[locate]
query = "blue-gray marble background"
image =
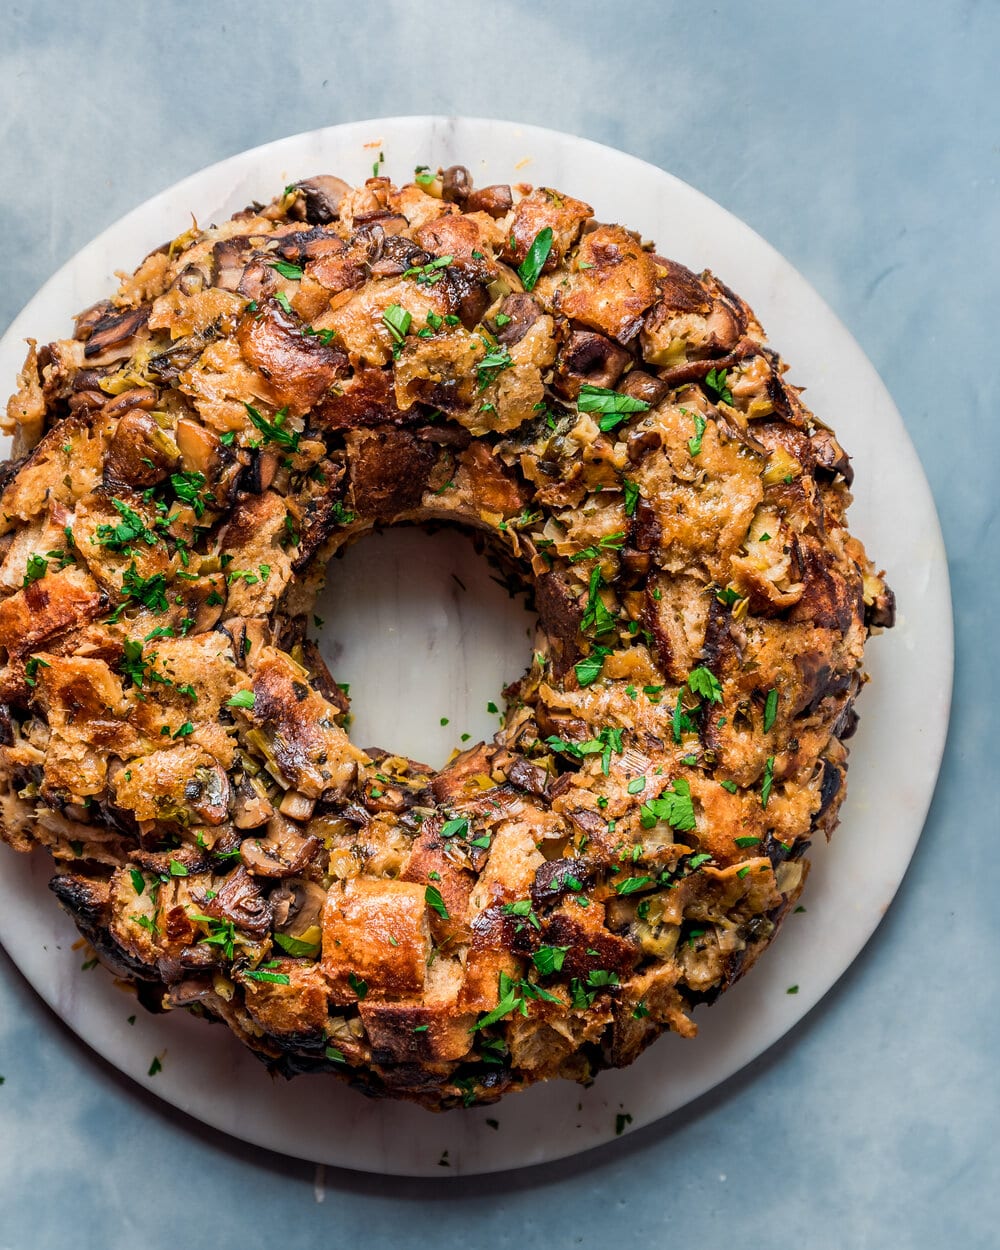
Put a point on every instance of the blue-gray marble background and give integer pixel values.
(863, 141)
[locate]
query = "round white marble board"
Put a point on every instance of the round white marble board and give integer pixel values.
(396, 620)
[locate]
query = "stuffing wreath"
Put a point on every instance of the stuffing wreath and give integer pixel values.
(263, 392)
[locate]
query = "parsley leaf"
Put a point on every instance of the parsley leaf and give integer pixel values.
(631, 490)
(770, 710)
(243, 699)
(286, 270)
(715, 381)
(768, 782)
(597, 620)
(703, 682)
(588, 670)
(274, 431)
(674, 806)
(531, 267)
(433, 899)
(614, 408)
(549, 959)
(694, 444)
(37, 567)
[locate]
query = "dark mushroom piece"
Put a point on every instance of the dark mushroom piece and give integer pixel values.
(521, 312)
(241, 902)
(456, 184)
(588, 358)
(319, 199)
(297, 905)
(283, 853)
(207, 794)
(496, 200)
(251, 808)
(115, 330)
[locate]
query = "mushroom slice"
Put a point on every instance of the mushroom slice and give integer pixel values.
(283, 853)
(241, 901)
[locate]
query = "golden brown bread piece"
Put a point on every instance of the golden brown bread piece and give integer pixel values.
(261, 393)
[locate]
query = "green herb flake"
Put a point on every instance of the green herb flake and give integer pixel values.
(531, 267)
(694, 444)
(612, 407)
(704, 683)
(242, 699)
(631, 492)
(274, 431)
(674, 806)
(768, 782)
(770, 710)
(549, 959)
(457, 827)
(261, 974)
(296, 947)
(286, 269)
(715, 381)
(589, 669)
(433, 899)
(357, 984)
(155, 1066)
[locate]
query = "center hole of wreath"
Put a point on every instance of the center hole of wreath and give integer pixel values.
(423, 634)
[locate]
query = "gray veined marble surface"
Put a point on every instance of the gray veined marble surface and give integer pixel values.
(863, 142)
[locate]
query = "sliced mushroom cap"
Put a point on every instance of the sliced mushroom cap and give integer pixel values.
(588, 358)
(456, 184)
(252, 809)
(496, 200)
(114, 330)
(297, 905)
(319, 198)
(141, 454)
(207, 793)
(241, 901)
(283, 853)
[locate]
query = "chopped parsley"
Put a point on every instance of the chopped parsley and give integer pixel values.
(264, 974)
(770, 710)
(703, 682)
(427, 275)
(531, 267)
(357, 984)
(768, 782)
(190, 488)
(597, 620)
(694, 444)
(397, 321)
(275, 431)
(588, 670)
(492, 364)
(674, 806)
(37, 567)
(715, 381)
(296, 946)
(433, 899)
(242, 699)
(632, 885)
(612, 407)
(130, 529)
(631, 491)
(457, 827)
(549, 959)
(286, 269)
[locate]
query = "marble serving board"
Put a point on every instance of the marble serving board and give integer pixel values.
(427, 640)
